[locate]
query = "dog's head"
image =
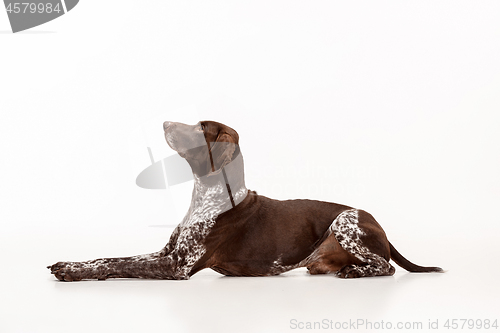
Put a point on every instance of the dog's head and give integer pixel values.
(207, 146)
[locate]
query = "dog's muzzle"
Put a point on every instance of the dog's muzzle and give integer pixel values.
(166, 125)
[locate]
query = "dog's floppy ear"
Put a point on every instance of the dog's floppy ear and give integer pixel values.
(222, 151)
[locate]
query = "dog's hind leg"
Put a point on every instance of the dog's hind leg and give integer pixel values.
(329, 257)
(376, 266)
(361, 236)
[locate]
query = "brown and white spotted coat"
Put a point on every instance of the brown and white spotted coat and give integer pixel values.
(237, 232)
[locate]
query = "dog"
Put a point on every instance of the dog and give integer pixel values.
(236, 232)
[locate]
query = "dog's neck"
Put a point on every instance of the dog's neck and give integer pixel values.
(221, 191)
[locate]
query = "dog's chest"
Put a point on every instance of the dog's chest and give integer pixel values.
(207, 204)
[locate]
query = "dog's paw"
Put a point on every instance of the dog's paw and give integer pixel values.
(348, 272)
(65, 271)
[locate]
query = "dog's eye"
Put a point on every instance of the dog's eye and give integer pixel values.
(202, 127)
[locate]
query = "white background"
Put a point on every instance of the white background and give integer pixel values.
(388, 106)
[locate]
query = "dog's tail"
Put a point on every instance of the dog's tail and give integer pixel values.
(409, 266)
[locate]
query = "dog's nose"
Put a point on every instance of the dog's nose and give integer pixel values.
(166, 124)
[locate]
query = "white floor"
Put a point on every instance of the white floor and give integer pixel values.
(34, 301)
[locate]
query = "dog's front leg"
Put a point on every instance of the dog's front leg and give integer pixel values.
(172, 241)
(150, 266)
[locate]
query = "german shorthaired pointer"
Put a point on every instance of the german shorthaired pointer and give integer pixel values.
(237, 232)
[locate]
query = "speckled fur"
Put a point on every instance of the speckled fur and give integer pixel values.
(277, 267)
(347, 232)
